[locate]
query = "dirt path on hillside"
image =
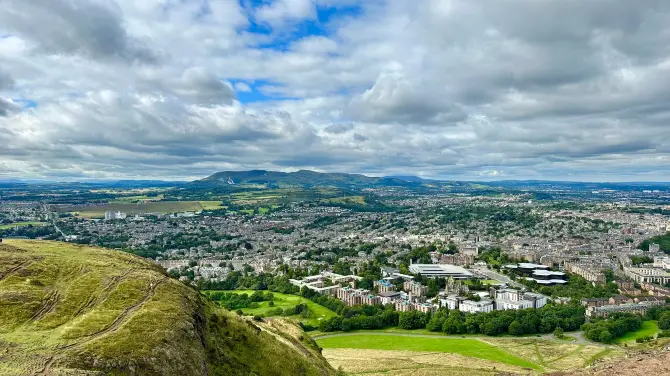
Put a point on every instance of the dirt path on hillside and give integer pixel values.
(124, 317)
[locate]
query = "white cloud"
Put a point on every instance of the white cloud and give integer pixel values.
(453, 88)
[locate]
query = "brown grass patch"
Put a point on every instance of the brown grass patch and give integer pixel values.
(401, 363)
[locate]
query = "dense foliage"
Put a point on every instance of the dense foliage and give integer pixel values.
(606, 331)
(576, 288)
(234, 301)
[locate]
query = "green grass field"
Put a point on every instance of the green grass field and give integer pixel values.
(163, 207)
(284, 301)
(467, 347)
(21, 224)
(649, 328)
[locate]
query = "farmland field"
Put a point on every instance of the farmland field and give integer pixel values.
(649, 328)
(21, 224)
(163, 207)
(284, 301)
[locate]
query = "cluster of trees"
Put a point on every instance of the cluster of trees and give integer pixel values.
(606, 331)
(527, 321)
(517, 322)
(300, 309)
(637, 260)
(576, 288)
(232, 300)
(362, 317)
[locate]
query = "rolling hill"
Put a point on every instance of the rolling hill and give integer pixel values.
(303, 179)
(75, 310)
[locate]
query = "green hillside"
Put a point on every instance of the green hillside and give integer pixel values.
(74, 310)
(302, 178)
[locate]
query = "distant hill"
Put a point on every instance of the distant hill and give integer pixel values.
(303, 179)
(75, 310)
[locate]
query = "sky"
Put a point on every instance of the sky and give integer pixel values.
(450, 89)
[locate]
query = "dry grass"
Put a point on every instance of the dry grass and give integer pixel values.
(400, 363)
(555, 356)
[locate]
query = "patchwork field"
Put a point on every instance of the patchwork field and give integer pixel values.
(402, 354)
(21, 224)
(284, 301)
(163, 207)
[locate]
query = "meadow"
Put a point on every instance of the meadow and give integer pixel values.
(284, 301)
(163, 207)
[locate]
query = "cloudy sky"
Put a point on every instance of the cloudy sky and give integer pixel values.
(473, 90)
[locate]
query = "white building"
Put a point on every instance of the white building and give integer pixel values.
(440, 270)
(662, 262)
(654, 248)
(476, 307)
(514, 299)
(649, 275)
(114, 215)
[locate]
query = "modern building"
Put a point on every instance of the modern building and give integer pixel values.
(404, 306)
(451, 301)
(440, 270)
(415, 288)
(383, 286)
(514, 299)
(475, 307)
(389, 297)
(350, 296)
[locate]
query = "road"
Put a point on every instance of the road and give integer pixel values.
(52, 217)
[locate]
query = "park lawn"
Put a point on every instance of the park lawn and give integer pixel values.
(21, 224)
(649, 328)
(283, 301)
(466, 347)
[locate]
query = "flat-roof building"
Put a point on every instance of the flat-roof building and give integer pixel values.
(440, 270)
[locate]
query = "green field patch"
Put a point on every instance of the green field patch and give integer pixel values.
(283, 301)
(649, 328)
(467, 347)
(21, 224)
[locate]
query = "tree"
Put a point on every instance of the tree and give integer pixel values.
(664, 320)
(558, 333)
(515, 328)
(412, 320)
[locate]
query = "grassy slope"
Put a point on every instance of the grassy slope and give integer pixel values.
(284, 301)
(649, 328)
(466, 347)
(67, 307)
